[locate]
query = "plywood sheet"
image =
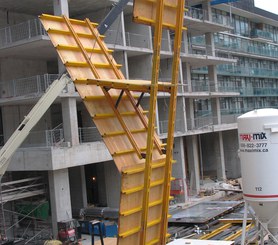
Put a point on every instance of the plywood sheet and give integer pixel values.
(144, 11)
(109, 126)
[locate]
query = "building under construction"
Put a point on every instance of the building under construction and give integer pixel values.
(228, 63)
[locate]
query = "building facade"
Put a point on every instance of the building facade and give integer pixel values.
(228, 67)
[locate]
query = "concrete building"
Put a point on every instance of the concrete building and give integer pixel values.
(229, 61)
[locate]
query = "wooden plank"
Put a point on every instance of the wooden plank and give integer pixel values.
(144, 12)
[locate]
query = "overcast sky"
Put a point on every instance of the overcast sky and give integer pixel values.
(268, 5)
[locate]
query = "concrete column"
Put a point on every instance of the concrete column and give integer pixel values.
(59, 191)
(61, 7)
(221, 170)
(178, 170)
(70, 122)
(78, 188)
(193, 160)
(189, 106)
(185, 44)
(206, 6)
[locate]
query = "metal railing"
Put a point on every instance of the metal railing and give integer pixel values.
(241, 71)
(163, 126)
(56, 137)
(22, 31)
(89, 134)
(202, 14)
(256, 33)
(137, 40)
(240, 45)
(35, 85)
(114, 37)
(207, 50)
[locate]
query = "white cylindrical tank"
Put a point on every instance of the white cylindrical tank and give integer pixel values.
(258, 151)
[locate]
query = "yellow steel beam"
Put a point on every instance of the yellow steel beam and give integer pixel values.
(60, 19)
(131, 211)
(109, 115)
(151, 124)
(77, 49)
(215, 232)
(171, 118)
(130, 232)
(238, 233)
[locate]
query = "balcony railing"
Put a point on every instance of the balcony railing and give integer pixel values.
(163, 126)
(256, 33)
(202, 14)
(114, 37)
(89, 134)
(240, 45)
(22, 31)
(55, 137)
(35, 85)
(230, 70)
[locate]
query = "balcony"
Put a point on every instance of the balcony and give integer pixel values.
(198, 23)
(261, 35)
(25, 88)
(204, 56)
(47, 150)
(55, 137)
(27, 39)
(240, 45)
(230, 70)
(206, 89)
(137, 44)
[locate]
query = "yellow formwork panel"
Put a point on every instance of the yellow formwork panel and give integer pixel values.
(144, 11)
(83, 52)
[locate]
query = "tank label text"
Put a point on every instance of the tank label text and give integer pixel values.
(255, 136)
(253, 142)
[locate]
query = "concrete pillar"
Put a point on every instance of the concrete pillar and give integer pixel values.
(193, 163)
(61, 7)
(69, 110)
(78, 190)
(221, 170)
(70, 123)
(178, 170)
(59, 191)
(206, 6)
(189, 106)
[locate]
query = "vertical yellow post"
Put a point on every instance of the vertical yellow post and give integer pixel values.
(151, 124)
(171, 118)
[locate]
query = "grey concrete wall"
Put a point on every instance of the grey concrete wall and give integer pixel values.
(113, 184)
(137, 35)
(13, 68)
(102, 192)
(230, 139)
(12, 116)
(210, 153)
(78, 192)
(139, 67)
